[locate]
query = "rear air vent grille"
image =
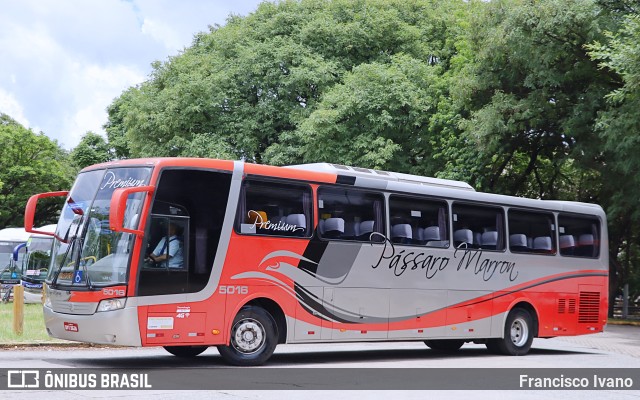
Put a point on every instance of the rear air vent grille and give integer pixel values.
(572, 306)
(562, 303)
(589, 307)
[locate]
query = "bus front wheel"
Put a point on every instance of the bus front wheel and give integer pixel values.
(518, 334)
(254, 336)
(185, 351)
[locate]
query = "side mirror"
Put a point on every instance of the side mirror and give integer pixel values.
(30, 211)
(118, 208)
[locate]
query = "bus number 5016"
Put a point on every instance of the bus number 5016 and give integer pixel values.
(233, 289)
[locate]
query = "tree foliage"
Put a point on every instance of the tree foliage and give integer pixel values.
(250, 89)
(29, 163)
(379, 117)
(92, 149)
(533, 95)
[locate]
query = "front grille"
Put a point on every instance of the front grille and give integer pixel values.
(69, 307)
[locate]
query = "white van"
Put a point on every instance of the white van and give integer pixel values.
(10, 272)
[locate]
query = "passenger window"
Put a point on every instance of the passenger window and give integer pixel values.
(419, 221)
(348, 214)
(478, 227)
(274, 208)
(531, 232)
(579, 236)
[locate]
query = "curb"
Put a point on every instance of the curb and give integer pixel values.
(9, 346)
(623, 322)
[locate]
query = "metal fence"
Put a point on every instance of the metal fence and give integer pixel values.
(633, 310)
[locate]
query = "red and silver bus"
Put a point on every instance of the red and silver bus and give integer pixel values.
(189, 253)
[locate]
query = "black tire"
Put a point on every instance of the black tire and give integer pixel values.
(185, 351)
(493, 345)
(518, 334)
(445, 345)
(254, 336)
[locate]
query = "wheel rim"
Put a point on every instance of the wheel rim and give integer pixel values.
(519, 332)
(248, 336)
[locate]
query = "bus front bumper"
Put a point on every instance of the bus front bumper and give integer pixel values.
(118, 327)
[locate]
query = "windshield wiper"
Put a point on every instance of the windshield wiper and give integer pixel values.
(72, 242)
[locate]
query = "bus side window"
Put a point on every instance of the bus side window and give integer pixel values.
(419, 221)
(348, 214)
(274, 209)
(531, 232)
(478, 227)
(579, 236)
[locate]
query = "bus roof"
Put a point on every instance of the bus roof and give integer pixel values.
(366, 178)
(320, 171)
(14, 235)
(383, 175)
(454, 190)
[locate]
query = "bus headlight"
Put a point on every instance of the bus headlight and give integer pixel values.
(111, 305)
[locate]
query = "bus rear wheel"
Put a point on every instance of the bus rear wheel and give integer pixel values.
(518, 334)
(185, 351)
(446, 345)
(254, 336)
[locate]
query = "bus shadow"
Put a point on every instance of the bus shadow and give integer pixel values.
(210, 359)
(396, 356)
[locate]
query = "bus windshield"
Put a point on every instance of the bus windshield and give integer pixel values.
(42, 244)
(38, 257)
(89, 253)
(6, 249)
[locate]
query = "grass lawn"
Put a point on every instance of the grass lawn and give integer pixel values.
(33, 330)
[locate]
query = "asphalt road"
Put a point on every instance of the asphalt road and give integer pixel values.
(617, 347)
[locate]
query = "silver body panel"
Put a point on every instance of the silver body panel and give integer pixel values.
(119, 327)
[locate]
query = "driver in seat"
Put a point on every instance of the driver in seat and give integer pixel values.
(160, 255)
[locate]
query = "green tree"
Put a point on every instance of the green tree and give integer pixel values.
(250, 89)
(92, 149)
(29, 163)
(381, 116)
(533, 94)
(115, 126)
